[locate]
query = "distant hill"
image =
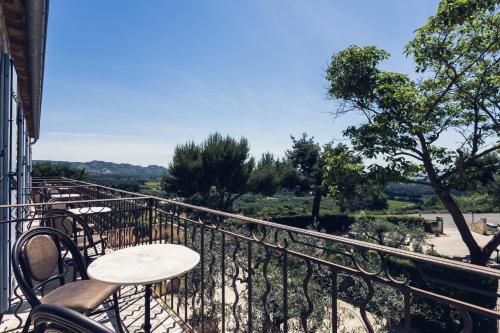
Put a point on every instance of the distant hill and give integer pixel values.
(101, 168)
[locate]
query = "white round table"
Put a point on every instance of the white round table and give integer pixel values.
(144, 265)
(89, 210)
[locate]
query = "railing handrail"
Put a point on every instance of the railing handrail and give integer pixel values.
(48, 186)
(70, 202)
(109, 188)
(420, 257)
(347, 241)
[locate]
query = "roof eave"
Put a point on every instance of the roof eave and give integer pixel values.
(26, 23)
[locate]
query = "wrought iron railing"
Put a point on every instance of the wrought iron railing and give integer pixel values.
(258, 276)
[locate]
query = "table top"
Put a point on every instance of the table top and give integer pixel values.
(89, 210)
(65, 195)
(143, 264)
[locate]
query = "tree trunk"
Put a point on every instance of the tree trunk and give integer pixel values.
(316, 205)
(476, 254)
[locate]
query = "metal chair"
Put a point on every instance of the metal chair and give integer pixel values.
(38, 260)
(51, 318)
(37, 196)
(53, 190)
(75, 227)
(56, 204)
(168, 231)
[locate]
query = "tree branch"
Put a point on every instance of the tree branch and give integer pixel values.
(408, 154)
(492, 244)
(469, 161)
(457, 75)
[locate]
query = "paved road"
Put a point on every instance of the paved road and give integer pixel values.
(451, 243)
(449, 225)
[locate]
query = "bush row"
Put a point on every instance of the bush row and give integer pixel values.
(427, 315)
(432, 316)
(336, 223)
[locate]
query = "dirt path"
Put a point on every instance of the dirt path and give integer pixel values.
(451, 244)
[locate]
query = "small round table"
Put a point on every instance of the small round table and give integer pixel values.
(65, 195)
(144, 265)
(89, 210)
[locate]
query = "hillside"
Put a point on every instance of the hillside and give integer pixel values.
(101, 168)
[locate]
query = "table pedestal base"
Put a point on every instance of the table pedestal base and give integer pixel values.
(147, 309)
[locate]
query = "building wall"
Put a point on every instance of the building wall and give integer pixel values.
(23, 24)
(13, 158)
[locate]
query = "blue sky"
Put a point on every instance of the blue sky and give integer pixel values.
(126, 81)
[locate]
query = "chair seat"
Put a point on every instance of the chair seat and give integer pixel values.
(83, 295)
(81, 241)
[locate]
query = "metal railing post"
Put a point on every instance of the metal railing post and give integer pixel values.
(150, 224)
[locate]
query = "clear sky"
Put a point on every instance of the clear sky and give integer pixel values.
(126, 81)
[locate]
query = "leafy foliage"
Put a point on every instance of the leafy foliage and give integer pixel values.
(306, 157)
(215, 172)
(49, 169)
(494, 191)
(281, 204)
(457, 53)
(266, 178)
(348, 182)
(394, 234)
(102, 169)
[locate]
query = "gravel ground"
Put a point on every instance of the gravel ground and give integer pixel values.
(451, 243)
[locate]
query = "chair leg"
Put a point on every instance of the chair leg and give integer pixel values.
(117, 314)
(26, 327)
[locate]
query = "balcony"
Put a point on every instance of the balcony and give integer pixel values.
(258, 276)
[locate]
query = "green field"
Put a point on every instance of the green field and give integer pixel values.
(281, 205)
(398, 205)
(290, 205)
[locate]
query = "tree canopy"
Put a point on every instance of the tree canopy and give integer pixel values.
(215, 171)
(346, 180)
(50, 169)
(456, 54)
(267, 177)
(306, 157)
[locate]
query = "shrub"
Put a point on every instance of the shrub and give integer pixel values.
(432, 316)
(329, 223)
(394, 234)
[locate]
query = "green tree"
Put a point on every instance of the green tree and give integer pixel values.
(50, 169)
(398, 235)
(266, 178)
(494, 192)
(290, 176)
(346, 180)
(185, 175)
(456, 52)
(216, 171)
(306, 157)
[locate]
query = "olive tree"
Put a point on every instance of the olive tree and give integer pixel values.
(457, 57)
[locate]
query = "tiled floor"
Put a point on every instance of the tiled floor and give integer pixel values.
(132, 314)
